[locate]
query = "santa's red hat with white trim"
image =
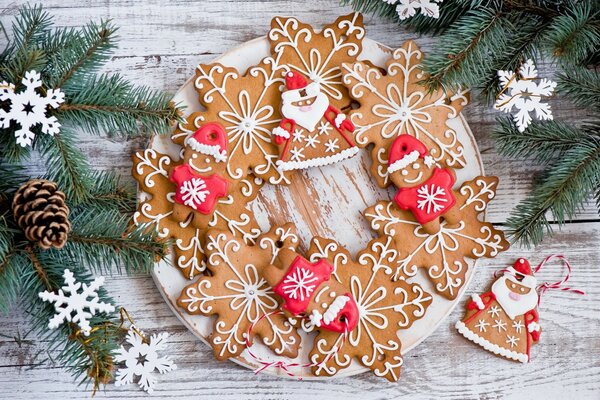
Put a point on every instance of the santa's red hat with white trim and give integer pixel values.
(521, 274)
(210, 139)
(405, 150)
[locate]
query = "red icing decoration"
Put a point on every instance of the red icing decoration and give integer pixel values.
(294, 80)
(212, 134)
(411, 198)
(522, 266)
(300, 283)
(403, 145)
(198, 192)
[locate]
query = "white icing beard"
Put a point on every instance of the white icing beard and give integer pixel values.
(513, 308)
(307, 119)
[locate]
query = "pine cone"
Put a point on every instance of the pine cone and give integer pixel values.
(40, 211)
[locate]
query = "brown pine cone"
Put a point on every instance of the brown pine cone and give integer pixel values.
(40, 211)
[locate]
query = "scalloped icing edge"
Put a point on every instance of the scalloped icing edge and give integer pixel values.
(489, 346)
(317, 162)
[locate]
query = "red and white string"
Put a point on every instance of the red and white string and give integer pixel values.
(284, 365)
(558, 285)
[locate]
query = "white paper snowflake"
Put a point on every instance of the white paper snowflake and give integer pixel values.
(430, 198)
(408, 8)
(194, 192)
(300, 284)
(524, 92)
(141, 359)
(28, 108)
(76, 306)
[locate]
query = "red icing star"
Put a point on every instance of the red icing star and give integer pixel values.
(196, 191)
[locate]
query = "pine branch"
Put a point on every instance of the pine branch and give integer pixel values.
(111, 103)
(29, 28)
(107, 192)
(581, 85)
(76, 55)
(102, 241)
(561, 192)
(542, 141)
(10, 151)
(66, 165)
(13, 267)
(573, 36)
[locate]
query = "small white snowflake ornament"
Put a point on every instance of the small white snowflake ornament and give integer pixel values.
(408, 8)
(525, 93)
(29, 109)
(141, 359)
(73, 305)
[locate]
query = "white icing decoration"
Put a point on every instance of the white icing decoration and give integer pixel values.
(194, 192)
(212, 150)
(317, 162)
(482, 325)
(477, 299)
(500, 325)
(331, 145)
(489, 346)
(430, 198)
(404, 161)
(320, 292)
(315, 318)
(300, 284)
(279, 131)
(307, 116)
(334, 309)
(339, 119)
(512, 340)
(533, 327)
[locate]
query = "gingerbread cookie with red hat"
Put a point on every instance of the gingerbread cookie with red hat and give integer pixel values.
(424, 188)
(505, 319)
(312, 132)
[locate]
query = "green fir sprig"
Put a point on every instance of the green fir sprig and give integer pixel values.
(101, 239)
(477, 38)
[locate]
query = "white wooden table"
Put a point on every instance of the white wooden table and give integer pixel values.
(160, 45)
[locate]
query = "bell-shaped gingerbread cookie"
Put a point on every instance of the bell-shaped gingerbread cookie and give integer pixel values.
(312, 132)
(423, 188)
(307, 290)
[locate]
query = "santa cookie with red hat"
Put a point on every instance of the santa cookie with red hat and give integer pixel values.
(505, 320)
(199, 179)
(312, 132)
(423, 188)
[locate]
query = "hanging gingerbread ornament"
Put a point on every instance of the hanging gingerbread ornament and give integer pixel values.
(312, 132)
(424, 188)
(308, 291)
(505, 320)
(40, 210)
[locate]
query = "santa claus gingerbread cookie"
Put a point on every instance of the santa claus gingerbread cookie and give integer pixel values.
(505, 319)
(312, 132)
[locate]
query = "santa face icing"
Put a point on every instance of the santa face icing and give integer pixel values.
(515, 293)
(305, 106)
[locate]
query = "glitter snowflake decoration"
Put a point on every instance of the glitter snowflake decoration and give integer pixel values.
(29, 109)
(430, 198)
(76, 306)
(524, 91)
(141, 359)
(408, 8)
(194, 192)
(300, 284)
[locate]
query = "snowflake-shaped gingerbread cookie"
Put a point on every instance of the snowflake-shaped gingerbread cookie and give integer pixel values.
(384, 307)
(442, 254)
(395, 103)
(29, 108)
(159, 211)
(239, 296)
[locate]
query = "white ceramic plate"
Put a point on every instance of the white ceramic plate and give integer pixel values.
(341, 192)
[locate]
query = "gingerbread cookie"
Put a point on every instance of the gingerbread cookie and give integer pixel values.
(395, 103)
(303, 144)
(153, 171)
(443, 253)
(505, 320)
(238, 294)
(424, 188)
(318, 55)
(384, 307)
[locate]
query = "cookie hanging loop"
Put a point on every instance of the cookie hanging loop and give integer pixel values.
(558, 285)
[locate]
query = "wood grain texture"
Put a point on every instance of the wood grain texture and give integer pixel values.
(160, 45)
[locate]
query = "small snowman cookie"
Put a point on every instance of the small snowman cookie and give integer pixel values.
(424, 188)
